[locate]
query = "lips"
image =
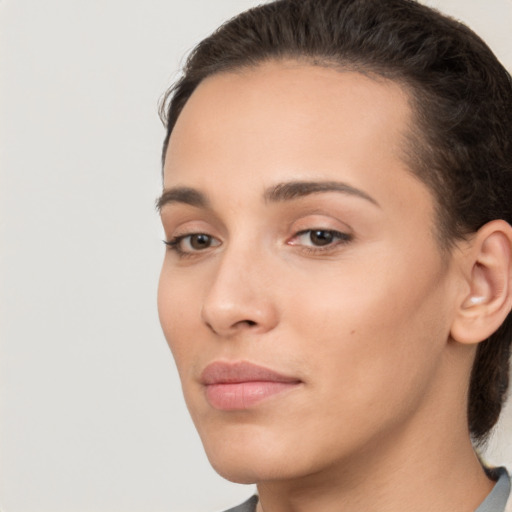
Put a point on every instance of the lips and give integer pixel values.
(242, 385)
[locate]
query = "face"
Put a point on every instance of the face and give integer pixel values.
(303, 294)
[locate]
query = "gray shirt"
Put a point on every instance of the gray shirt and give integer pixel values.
(496, 501)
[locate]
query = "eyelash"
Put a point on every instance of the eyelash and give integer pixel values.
(338, 238)
(175, 244)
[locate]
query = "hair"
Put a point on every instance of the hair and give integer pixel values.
(460, 144)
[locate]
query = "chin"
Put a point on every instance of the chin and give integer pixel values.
(248, 458)
(250, 470)
(236, 474)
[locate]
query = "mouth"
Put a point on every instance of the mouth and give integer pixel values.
(242, 385)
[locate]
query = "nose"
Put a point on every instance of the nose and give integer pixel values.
(240, 296)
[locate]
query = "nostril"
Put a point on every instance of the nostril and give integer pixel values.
(245, 323)
(210, 326)
(241, 323)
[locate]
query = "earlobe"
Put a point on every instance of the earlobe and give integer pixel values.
(489, 276)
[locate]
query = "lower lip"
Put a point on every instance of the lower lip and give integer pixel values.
(243, 395)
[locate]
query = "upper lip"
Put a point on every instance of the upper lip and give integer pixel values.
(221, 372)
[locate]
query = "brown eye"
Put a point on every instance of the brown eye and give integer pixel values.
(193, 243)
(200, 241)
(321, 237)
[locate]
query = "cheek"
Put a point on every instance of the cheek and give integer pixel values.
(178, 313)
(370, 332)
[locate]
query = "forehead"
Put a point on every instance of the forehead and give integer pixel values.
(287, 120)
(291, 107)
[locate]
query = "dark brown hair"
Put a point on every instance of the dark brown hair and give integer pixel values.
(460, 145)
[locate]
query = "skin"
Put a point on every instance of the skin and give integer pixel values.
(378, 420)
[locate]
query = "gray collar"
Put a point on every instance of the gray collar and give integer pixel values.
(496, 501)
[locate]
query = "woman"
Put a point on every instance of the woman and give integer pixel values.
(337, 286)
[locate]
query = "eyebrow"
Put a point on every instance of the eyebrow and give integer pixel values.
(295, 189)
(185, 195)
(287, 191)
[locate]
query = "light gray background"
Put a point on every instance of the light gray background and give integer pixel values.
(91, 414)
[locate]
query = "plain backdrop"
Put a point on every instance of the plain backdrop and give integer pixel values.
(91, 413)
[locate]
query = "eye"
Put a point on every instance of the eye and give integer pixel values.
(320, 238)
(192, 243)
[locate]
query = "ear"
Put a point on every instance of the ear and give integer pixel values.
(488, 272)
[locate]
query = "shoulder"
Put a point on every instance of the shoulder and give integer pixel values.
(247, 506)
